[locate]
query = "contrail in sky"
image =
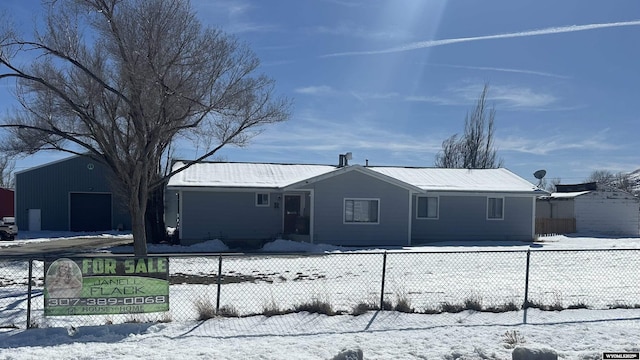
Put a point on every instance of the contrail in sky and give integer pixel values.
(434, 43)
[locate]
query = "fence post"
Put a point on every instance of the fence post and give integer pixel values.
(384, 271)
(525, 306)
(219, 283)
(29, 293)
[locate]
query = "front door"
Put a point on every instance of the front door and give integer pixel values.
(291, 213)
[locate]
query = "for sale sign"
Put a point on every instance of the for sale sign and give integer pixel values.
(94, 286)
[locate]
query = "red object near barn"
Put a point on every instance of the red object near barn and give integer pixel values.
(6, 202)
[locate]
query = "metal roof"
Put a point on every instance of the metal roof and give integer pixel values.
(264, 175)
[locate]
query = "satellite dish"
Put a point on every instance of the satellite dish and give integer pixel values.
(540, 174)
(348, 156)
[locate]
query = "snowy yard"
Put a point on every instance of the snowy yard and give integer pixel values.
(427, 276)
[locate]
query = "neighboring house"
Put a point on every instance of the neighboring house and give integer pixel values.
(6, 202)
(73, 194)
(348, 205)
(589, 208)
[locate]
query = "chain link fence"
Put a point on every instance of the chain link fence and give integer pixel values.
(351, 283)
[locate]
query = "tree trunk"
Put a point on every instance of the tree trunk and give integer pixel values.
(138, 209)
(138, 229)
(156, 231)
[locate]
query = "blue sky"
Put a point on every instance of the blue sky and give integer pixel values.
(389, 80)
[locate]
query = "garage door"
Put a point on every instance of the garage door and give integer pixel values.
(90, 212)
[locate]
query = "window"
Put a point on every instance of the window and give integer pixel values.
(361, 211)
(262, 199)
(495, 208)
(427, 207)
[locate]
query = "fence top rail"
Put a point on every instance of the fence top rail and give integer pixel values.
(46, 257)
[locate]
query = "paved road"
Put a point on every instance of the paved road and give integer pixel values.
(61, 246)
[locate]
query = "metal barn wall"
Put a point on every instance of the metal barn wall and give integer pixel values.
(328, 212)
(608, 213)
(464, 217)
(209, 215)
(47, 188)
(171, 203)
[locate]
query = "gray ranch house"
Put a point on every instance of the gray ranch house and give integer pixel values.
(348, 205)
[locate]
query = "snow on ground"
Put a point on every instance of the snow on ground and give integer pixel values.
(574, 334)
(380, 335)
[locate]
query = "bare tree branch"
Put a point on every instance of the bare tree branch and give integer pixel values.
(122, 81)
(475, 149)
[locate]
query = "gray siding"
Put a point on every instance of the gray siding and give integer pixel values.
(47, 188)
(607, 213)
(555, 208)
(329, 226)
(208, 215)
(465, 218)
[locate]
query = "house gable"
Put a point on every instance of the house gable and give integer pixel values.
(359, 168)
(334, 194)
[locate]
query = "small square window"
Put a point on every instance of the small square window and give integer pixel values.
(427, 207)
(262, 199)
(495, 208)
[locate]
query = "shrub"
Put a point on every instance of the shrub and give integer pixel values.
(205, 309)
(317, 307)
(403, 304)
(510, 306)
(623, 306)
(512, 339)
(363, 308)
(228, 311)
(272, 309)
(473, 303)
(579, 305)
(451, 308)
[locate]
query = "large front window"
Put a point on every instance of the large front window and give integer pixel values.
(362, 211)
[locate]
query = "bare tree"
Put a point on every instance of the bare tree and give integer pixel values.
(602, 177)
(551, 185)
(121, 81)
(475, 149)
(7, 165)
(618, 180)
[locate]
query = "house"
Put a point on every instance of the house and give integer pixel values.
(348, 205)
(589, 208)
(72, 194)
(6, 202)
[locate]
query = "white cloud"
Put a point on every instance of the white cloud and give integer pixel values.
(545, 143)
(505, 97)
(519, 71)
(360, 32)
(316, 90)
(325, 90)
(313, 132)
(434, 43)
(232, 15)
